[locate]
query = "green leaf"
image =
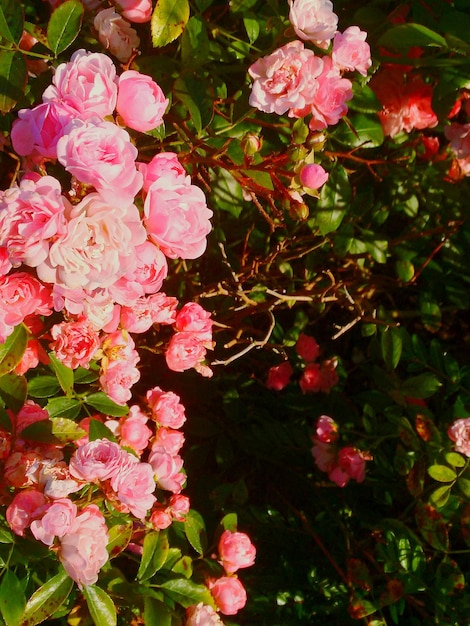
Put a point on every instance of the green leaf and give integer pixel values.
(391, 345)
(421, 386)
(364, 99)
(334, 199)
(440, 496)
(168, 21)
(230, 522)
(195, 530)
(464, 486)
(11, 352)
(363, 131)
(102, 403)
(156, 612)
(455, 459)
(11, 20)
(40, 431)
(83, 376)
(405, 36)
(432, 526)
(13, 391)
(12, 598)
(43, 387)
(47, 599)
(194, 43)
(64, 374)
(194, 94)
(442, 473)
(184, 566)
(251, 23)
(186, 592)
(98, 430)
(100, 605)
(405, 270)
(64, 25)
(13, 78)
(154, 555)
(119, 537)
(66, 430)
(64, 407)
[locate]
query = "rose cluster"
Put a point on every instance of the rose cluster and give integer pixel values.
(299, 81)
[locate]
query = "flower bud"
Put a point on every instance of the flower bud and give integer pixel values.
(251, 144)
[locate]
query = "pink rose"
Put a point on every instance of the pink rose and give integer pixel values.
(459, 137)
(177, 218)
(169, 439)
(166, 468)
(184, 351)
(307, 348)
(279, 376)
(229, 594)
(33, 354)
(134, 485)
(313, 176)
(329, 102)
(313, 20)
(202, 615)
(75, 343)
(140, 102)
(166, 407)
(285, 79)
(115, 34)
(459, 433)
(193, 318)
(326, 429)
(26, 506)
(162, 164)
(319, 377)
(138, 11)
(30, 413)
(145, 277)
(134, 431)
(101, 154)
(87, 83)
(350, 50)
(117, 379)
(56, 521)
(236, 551)
(83, 548)
(161, 518)
(324, 455)
(351, 463)
(97, 460)
(179, 506)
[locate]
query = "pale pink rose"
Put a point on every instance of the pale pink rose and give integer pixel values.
(179, 506)
(285, 79)
(30, 413)
(31, 215)
(351, 51)
(307, 348)
(161, 518)
(193, 318)
(138, 11)
(141, 103)
(324, 455)
(177, 218)
(166, 468)
(75, 343)
(97, 460)
(166, 407)
(22, 469)
(101, 154)
(163, 164)
(117, 380)
(55, 480)
(163, 308)
(36, 131)
(184, 351)
(329, 103)
(134, 485)
(326, 429)
(21, 295)
(313, 20)
(118, 346)
(202, 615)
(134, 431)
(87, 83)
(97, 305)
(279, 376)
(138, 317)
(236, 551)
(56, 521)
(459, 433)
(459, 137)
(115, 34)
(169, 439)
(97, 247)
(313, 176)
(83, 548)
(26, 506)
(146, 277)
(229, 594)
(351, 463)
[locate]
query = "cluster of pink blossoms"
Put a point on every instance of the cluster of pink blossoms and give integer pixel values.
(340, 464)
(44, 481)
(316, 376)
(90, 252)
(297, 81)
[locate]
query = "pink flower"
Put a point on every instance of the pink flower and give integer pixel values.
(30, 413)
(115, 34)
(319, 377)
(169, 439)
(313, 20)
(177, 218)
(236, 551)
(161, 518)
(101, 154)
(140, 102)
(97, 460)
(279, 376)
(184, 351)
(166, 407)
(193, 318)
(351, 463)
(179, 506)
(117, 379)
(350, 50)
(326, 429)
(229, 594)
(459, 137)
(134, 431)
(313, 176)
(87, 83)
(134, 485)
(202, 615)
(324, 455)
(166, 468)
(138, 11)
(26, 506)
(285, 79)
(307, 348)
(33, 354)
(162, 164)
(329, 102)
(75, 343)
(459, 433)
(56, 521)
(145, 277)
(83, 548)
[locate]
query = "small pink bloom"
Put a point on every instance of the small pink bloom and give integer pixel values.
(145, 277)
(329, 102)
(184, 351)
(117, 379)
(33, 354)
(459, 433)
(193, 318)
(326, 429)
(75, 343)
(141, 103)
(311, 379)
(163, 164)
(138, 11)
(236, 551)
(97, 460)
(307, 348)
(115, 34)
(166, 468)
(169, 439)
(279, 376)
(202, 615)
(350, 50)
(459, 137)
(26, 506)
(351, 463)
(313, 176)
(134, 431)
(163, 309)
(166, 407)
(161, 518)
(134, 485)
(324, 455)
(30, 413)
(179, 506)
(56, 521)
(313, 20)
(229, 594)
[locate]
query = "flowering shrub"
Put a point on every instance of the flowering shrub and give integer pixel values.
(233, 312)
